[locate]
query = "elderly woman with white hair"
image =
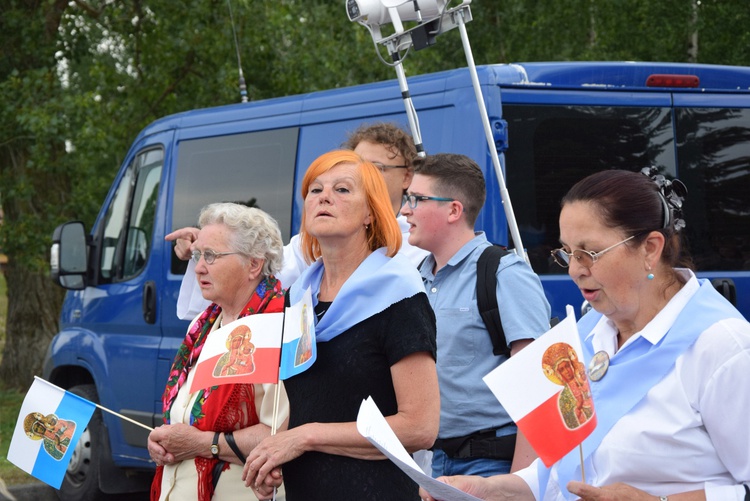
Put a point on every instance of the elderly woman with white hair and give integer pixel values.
(201, 448)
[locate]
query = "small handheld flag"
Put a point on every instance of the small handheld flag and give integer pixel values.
(546, 391)
(300, 350)
(244, 351)
(49, 425)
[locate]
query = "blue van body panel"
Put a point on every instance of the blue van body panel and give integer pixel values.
(103, 331)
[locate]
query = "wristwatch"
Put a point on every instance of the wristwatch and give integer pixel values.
(215, 446)
(663, 498)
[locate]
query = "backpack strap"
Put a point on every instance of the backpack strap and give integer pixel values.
(487, 265)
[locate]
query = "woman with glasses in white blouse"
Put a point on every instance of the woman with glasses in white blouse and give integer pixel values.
(669, 358)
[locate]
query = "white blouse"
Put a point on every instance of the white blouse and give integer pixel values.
(691, 431)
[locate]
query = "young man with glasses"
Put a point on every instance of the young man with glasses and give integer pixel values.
(387, 146)
(441, 207)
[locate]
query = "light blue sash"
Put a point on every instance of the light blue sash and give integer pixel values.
(638, 367)
(376, 284)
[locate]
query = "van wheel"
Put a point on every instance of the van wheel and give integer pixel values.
(81, 482)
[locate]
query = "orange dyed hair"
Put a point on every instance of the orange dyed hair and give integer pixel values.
(383, 230)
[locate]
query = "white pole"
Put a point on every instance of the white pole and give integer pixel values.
(411, 113)
(509, 215)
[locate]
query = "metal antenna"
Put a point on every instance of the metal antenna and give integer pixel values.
(243, 87)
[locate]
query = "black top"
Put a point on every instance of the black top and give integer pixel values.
(349, 368)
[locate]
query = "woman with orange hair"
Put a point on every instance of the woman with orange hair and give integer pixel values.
(375, 334)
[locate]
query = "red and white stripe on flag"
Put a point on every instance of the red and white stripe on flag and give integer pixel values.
(244, 351)
(545, 390)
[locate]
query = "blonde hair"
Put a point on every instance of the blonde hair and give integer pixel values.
(383, 230)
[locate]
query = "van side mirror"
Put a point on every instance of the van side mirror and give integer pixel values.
(69, 255)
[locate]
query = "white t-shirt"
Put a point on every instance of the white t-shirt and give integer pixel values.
(691, 427)
(191, 302)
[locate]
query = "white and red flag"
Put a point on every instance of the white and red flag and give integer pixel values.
(252, 349)
(244, 351)
(546, 391)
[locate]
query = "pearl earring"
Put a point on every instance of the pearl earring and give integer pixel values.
(650, 276)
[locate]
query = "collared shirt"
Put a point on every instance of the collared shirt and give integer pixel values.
(690, 431)
(464, 347)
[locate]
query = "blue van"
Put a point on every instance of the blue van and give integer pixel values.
(553, 124)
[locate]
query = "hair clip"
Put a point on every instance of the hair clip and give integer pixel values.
(672, 194)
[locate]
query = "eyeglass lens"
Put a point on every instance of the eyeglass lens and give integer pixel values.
(562, 258)
(208, 255)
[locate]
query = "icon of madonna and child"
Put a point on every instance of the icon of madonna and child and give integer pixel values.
(55, 433)
(561, 366)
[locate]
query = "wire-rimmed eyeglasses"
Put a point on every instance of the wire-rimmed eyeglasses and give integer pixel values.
(383, 167)
(208, 255)
(413, 200)
(583, 257)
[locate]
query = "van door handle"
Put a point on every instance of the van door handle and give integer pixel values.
(726, 288)
(149, 302)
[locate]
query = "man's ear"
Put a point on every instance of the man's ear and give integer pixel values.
(408, 176)
(456, 212)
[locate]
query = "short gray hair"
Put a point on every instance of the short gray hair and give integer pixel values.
(254, 233)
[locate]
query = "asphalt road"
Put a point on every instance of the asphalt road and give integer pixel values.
(39, 491)
(32, 492)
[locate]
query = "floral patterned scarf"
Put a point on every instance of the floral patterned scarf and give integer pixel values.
(225, 407)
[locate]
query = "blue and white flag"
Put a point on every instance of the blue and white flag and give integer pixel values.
(299, 349)
(48, 428)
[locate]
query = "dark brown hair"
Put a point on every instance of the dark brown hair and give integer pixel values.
(455, 176)
(630, 202)
(394, 138)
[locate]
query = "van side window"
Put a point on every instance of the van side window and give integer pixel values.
(553, 147)
(129, 222)
(713, 149)
(254, 169)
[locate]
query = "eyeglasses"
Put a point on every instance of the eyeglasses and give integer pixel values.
(383, 167)
(583, 257)
(413, 200)
(208, 255)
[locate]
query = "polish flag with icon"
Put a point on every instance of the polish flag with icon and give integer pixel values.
(245, 351)
(553, 407)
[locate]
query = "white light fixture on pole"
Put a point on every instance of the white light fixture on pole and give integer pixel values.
(431, 18)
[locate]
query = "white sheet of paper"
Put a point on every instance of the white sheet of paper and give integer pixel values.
(372, 425)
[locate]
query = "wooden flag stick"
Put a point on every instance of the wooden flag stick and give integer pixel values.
(123, 417)
(583, 472)
(276, 396)
(97, 405)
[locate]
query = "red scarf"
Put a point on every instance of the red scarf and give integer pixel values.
(223, 408)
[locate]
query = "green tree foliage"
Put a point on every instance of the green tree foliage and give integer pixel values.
(79, 79)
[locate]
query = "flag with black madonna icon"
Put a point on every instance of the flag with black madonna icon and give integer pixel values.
(252, 349)
(546, 391)
(49, 425)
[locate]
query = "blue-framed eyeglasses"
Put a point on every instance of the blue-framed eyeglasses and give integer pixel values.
(208, 255)
(413, 200)
(583, 257)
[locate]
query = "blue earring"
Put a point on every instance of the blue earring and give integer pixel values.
(650, 276)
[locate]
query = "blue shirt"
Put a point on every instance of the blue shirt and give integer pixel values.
(463, 344)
